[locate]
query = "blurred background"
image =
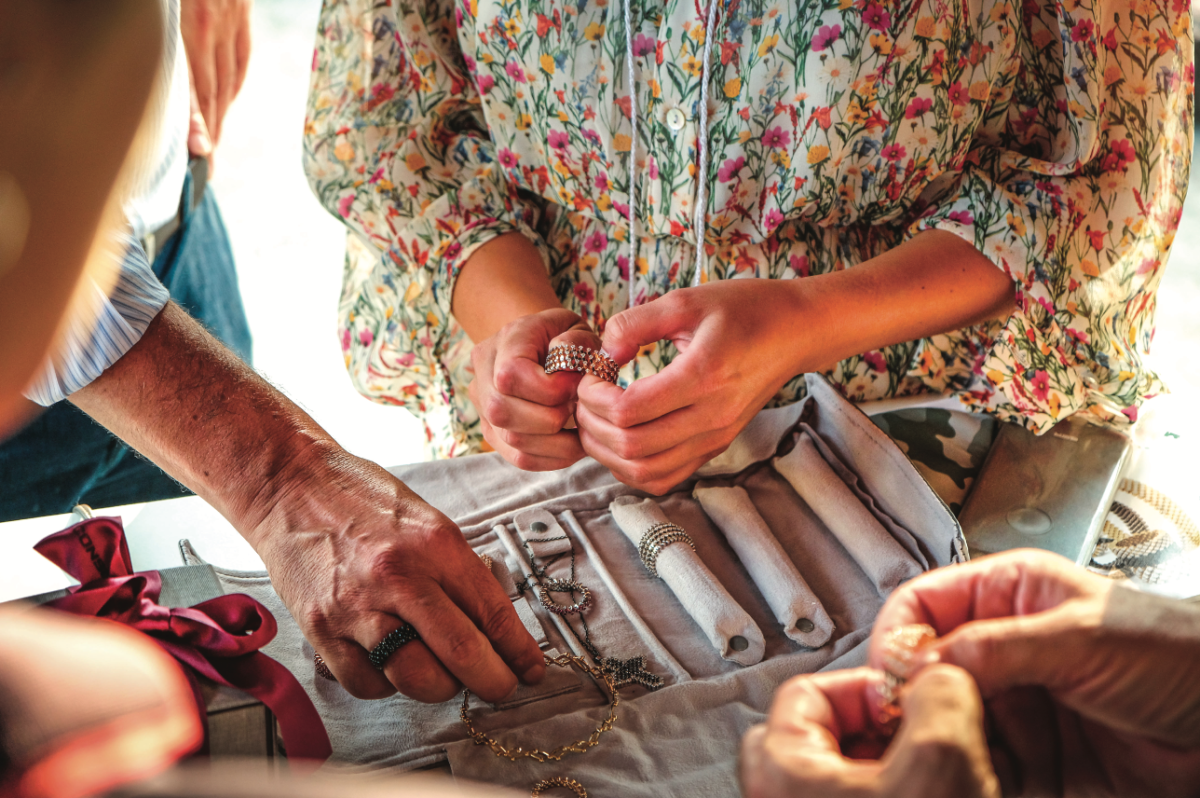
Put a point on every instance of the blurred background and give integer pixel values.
(289, 251)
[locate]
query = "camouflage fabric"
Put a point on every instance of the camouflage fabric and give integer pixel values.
(947, 447)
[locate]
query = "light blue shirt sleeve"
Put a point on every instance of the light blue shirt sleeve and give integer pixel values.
(121, 318)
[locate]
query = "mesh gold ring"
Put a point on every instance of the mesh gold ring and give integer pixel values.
(572, 357)
(395, 640)
(321, 668)
(558, 781)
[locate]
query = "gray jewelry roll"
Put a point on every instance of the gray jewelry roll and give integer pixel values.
(793, 602)
(879, 554)
(730, 629)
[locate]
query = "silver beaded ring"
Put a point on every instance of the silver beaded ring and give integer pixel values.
(550, 585)
(657, 538)
(395, 640)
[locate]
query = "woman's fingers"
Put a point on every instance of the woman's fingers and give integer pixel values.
(566, 449)
(677, 386)
(663, 319)
(523, 416)
(659, 472)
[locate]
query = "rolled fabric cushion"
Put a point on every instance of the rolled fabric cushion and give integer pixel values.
(732, 632)
(794, 603)
(879, 555)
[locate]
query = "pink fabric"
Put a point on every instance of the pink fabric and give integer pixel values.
(218, 639)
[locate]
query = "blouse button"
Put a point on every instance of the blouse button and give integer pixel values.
(676, 119)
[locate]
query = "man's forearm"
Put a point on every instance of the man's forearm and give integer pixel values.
(187, 403)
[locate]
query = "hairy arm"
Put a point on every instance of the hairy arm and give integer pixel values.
(351, 550)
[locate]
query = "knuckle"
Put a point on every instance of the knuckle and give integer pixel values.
(501, 623)
(523, 460)
(497, 412)
(505, 378)
(384, 563)
(313, 620)
(627, 446)
(622, 415)
(464, 649)
(640, 475)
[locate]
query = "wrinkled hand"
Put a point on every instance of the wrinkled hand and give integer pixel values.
(822, 739)
(352, 552)
(1114, 669)
(523, 410)
(216, 35)
(739, 341)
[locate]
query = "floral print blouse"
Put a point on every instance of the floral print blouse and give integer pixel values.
(1054, 135)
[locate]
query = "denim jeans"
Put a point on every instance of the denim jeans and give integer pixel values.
(63, 458)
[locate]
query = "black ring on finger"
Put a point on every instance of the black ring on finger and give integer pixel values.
(395, 640)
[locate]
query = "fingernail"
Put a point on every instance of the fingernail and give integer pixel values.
(924, 659)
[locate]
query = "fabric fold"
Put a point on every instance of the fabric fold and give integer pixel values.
(730, 629)
(793, 602)
(879, 555)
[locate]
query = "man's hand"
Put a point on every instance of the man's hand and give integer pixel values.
(1117, 656)
(354, 554)
(351, 550)
(216, 35)
(523, 410)
(1089, 684)
(822, 739)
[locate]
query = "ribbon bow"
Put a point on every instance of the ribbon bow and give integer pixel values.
(218, 639)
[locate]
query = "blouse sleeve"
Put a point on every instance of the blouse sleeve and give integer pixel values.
(396, 147)
(1078, 199)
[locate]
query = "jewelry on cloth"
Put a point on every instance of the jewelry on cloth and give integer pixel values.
(558, 781)
(630, 671)
(321, 668)
(900, 646)
(572, 357)
(537, 754)
(657, 538)
(623, 671)
(391, 644)
(551, 585)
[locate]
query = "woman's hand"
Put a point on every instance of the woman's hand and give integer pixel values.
(522, 410)
(739, 341)
(822, 739)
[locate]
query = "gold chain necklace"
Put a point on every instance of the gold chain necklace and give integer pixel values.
(537, 754)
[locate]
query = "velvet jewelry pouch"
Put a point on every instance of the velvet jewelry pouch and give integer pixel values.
(862, 521)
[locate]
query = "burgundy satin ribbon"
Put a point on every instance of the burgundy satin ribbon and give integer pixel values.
(219, 639)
